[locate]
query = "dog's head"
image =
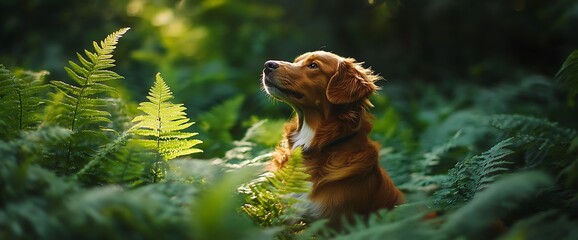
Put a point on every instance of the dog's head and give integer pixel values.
(318, 79)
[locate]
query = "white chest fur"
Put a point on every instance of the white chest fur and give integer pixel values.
(304, 137)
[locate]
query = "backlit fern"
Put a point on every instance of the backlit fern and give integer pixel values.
(81, 104)
(162, 124)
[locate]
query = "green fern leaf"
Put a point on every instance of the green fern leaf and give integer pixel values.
(88, 75)
(530, 130)
(20, 101)
(500, 198)
(270, 199)
(472, 175)
(292, 177)
(567, 76)
(539, 139)
(100, 154)
(67, 88)
(162, 124)
(81, 105)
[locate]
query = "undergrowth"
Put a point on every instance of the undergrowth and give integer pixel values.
(78, 161)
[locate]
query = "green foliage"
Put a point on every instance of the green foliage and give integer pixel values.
(472, 175)
(37, 204)
(267, 132)
(109, 148)
(163, 123)
(79, 106)
(567, 76)
(533, 131)
(82, 101)
(291, 178)
(420, 175)
(78, 167)
(540, 139)
(216, 125)
(20, 101)
(570, 172)
(272, 199)
(130, 164)
(213, 215)
(499, 199)
(404, 222)
(551, 224)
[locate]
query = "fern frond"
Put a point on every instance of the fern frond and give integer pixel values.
(567, 76)
(403, 222)
(539, 139)
(273, 198)
(162, 123)
(498, 200)
(129, 163)
(100, 154)
(28, 147)
(472, 175)
(80, 106)
(254, 149)
(20, 101)
(291, 178)
(419, 174)
(83, 97)
(530, 130)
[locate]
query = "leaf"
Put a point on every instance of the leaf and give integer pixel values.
(20, 101)
(101, 153)
(567, 76)
(162, 124)
(552, 224)
(472, 175)
(495, 202)
(217, 123)
(216, 209)
(273, 198)
(82, 108)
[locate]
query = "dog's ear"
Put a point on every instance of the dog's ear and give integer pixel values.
(350, 83)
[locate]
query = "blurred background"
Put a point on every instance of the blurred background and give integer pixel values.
(211, 52)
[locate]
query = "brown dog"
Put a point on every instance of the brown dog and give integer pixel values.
(330, 94)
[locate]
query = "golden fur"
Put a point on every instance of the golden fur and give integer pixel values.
(330, 96)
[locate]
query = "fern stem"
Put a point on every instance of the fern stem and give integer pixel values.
(21, 106)
(74, 114)
(160, 124)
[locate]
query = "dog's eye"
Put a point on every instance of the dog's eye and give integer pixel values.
(312, 65)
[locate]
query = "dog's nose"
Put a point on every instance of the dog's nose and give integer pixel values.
(270, 66)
